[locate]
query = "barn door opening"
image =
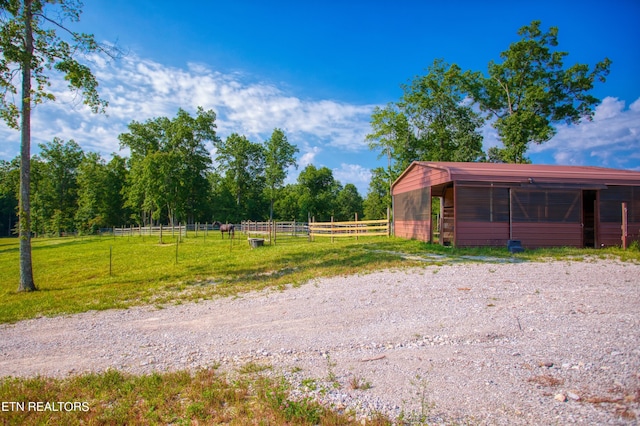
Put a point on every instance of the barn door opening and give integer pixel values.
(447, 218)
(589, 218)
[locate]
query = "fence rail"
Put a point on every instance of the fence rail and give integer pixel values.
(273, 230)
(358, 228)
(292, 229)
(150, 230)
(202, 227)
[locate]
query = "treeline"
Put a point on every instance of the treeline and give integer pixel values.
(171, 177)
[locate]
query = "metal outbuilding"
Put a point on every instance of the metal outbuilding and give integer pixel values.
(489, 204)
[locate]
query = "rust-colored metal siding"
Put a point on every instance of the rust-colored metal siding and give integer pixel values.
(412, 213)
(417, 176)
(545, 234)
(546, 203)
(609, 228)
(413, 229)
(610, 234)
(521, 173)
(478, 234)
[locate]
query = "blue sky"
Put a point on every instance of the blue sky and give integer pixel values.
(318, 68)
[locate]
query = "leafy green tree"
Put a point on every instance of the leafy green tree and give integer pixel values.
(223, 204)
(116, 213)
(31, 49)
(431, 122)
(348, 204)
(169, 165)
(318, 192)
(100, 187)
(242, 163)
(9, 185)
(378, 198)
(58, 185)
(279, 155)
(393, 136)
(446, 128)
(39, 218)
(287, 205)
(531, 90)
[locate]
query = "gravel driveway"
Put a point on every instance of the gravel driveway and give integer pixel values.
(521, 343)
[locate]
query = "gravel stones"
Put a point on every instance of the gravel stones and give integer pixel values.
(465, 343)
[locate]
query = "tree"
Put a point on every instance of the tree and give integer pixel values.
(94, 206)
(531, 90)
(431, 122)
(446, 127)
(58, 185)
(318, 192)
(9, 185)
(242, 164)
(287, 206)
(378, 198)
(116, 213)
(348, 203)
(169, 165)
(393, 136)
(279, 154)
(31, 48)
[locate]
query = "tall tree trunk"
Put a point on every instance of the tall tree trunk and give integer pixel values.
(26, 269)
(273, 190)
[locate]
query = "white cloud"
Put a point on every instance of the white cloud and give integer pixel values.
(611, 139)
(139, 89)
(355, 174)
(308, 156)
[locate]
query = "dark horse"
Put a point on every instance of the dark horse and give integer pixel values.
(227, 227)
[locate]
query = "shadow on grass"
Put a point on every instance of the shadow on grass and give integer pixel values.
(42, 244)
(319, 262)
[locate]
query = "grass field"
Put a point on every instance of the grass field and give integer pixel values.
(93, 273)
(80, 274)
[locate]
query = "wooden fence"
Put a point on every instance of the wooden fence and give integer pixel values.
(150, 230)
(357, 228)
(272, 231)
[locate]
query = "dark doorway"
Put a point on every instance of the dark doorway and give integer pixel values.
(589, 218)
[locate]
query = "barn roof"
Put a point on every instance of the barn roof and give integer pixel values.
(529, 173)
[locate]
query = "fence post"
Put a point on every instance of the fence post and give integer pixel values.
(332, 228)
(160, 232)
(625, 225)
(356, 226)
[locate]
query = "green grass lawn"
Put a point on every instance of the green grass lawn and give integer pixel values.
(94, 273)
